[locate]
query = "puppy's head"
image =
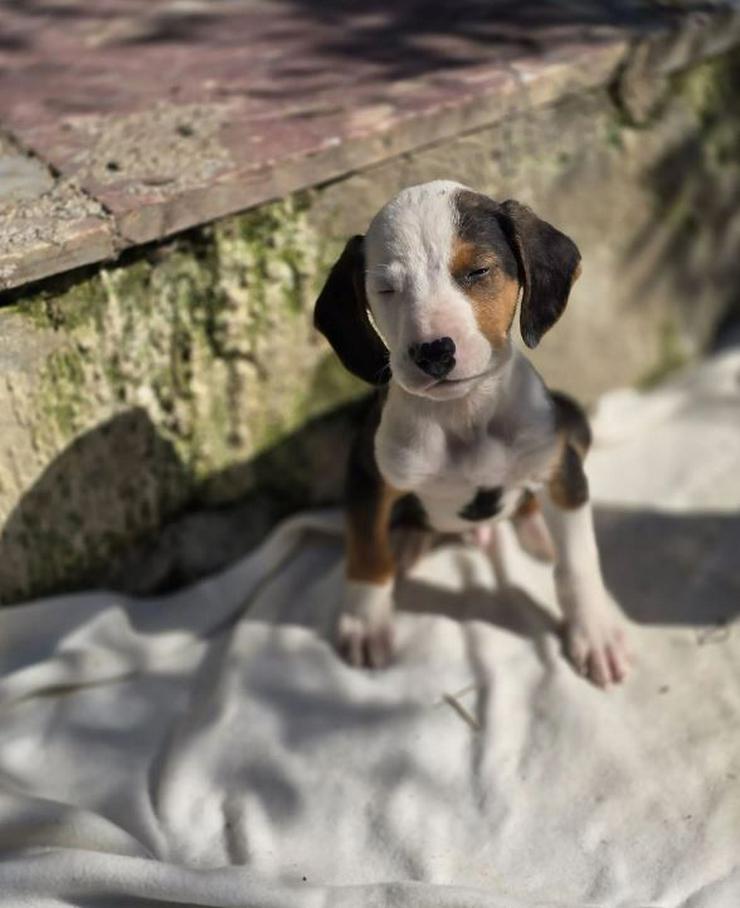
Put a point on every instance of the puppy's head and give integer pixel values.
(430, 292)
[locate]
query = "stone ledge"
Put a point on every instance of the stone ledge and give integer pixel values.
(130, 147)
(47, 224)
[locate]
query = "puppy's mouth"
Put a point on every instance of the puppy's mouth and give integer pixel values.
(461, 381)
(453, 387)
(444, 388)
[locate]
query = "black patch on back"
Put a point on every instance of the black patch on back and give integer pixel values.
(478, 224)
(568, 484)
(571, 421)
(485, 504)
(572, 483)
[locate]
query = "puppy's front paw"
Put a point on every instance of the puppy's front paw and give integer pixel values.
(596, 643)
(365, 625)
(362, 644)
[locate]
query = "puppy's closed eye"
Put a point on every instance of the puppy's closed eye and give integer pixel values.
(472, 276)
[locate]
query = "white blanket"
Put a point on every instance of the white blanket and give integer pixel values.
(209, 748)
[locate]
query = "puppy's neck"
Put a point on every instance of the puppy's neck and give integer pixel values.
(463, 414)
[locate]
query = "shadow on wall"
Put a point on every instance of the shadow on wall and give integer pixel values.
(370, 26)
(120, 476)
(695, 228)
(98, 515)
(403, 40)
(395, 41)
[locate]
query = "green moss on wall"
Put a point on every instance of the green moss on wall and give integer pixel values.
(710, 93)
(201, 353)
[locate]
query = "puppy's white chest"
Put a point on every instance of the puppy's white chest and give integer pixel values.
(458, 467)
(472, 464)
(475, 481)
(482, 460)
(462, 480)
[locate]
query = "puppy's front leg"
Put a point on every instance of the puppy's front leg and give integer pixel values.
(365, 625)
(595, 634)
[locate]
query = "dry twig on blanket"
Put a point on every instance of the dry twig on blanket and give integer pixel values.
(462, 710)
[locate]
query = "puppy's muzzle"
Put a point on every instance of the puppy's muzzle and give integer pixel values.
(436, 358)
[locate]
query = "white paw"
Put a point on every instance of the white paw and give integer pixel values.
(362, 644)
(365, 625)
(596, 642)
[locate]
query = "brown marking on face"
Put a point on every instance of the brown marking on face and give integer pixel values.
(369, 554)
(492, 295)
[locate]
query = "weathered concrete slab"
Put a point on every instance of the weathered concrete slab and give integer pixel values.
(170, 114)
(46, 224)
(21, 176)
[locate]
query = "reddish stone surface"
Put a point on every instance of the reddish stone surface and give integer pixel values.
(173, 112)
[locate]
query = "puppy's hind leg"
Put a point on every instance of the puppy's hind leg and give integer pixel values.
(409, 545)
(531, 529)
(488, 538)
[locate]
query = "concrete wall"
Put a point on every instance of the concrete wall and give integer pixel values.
(184, 379)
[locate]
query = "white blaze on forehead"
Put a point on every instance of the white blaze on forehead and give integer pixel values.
(415, 231)
(413, 296)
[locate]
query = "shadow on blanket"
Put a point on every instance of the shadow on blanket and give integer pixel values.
(674, 568)
(671, 568)
(663, 568)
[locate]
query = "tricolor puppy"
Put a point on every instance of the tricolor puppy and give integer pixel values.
(465, 432)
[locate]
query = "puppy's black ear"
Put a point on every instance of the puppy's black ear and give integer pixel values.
(549, 263)
(341, 315)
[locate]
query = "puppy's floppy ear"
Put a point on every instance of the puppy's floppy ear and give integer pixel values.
(341, 315)
(549, 263)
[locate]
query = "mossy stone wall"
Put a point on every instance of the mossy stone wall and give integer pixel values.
(162, 378)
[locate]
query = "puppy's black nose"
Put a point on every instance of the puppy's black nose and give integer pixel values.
(437, 358)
